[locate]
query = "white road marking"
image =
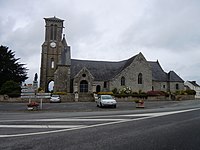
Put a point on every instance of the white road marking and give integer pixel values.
(64, 120)
(42, 126)
(149, 115)
(160, 113)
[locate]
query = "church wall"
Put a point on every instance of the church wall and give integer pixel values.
(139, 65)
(160, 86)
(100, 83)
(84, 74)
(173, 86)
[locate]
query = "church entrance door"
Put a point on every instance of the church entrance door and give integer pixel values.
(83, 86)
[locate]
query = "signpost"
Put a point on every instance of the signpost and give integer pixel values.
(30, 92)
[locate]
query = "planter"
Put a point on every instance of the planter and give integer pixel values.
(33, 106)
(139, 104)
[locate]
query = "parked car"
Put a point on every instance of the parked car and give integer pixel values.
(106, 100)
(55, 99)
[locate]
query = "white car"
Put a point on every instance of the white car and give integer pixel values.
(55, 99)
(106, 100)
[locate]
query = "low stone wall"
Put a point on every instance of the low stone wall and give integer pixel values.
(71, 98)
(67, 98)
(154, 98)
(5, 98)
(64, 98)
(185, 97)
(128, 99)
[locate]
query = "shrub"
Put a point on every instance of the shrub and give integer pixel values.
(59, 93)
(105, 93)
(186, 92)
(115, 91)
(40, 90)
(11, 88)
(135, 94)
(165, 93)
(155, 93)
(191, 92)
(125, 90)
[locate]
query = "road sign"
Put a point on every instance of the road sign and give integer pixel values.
(28, 96)
(28, 90)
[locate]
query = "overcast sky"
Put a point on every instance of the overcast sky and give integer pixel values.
(110, 30)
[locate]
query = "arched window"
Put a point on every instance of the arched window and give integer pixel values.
(122, 81)
(50, 86)
(177, 86)
(52, 63)
(55, 32)
(51, 33)
(83, 86)
(98, 88)
(140, 78)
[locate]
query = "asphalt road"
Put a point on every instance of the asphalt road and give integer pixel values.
(173, 127)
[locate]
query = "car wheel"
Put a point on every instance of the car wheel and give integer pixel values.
(115, 106)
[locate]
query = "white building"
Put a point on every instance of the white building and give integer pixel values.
(194, 86)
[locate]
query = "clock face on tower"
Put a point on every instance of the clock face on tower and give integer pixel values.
(53, 44)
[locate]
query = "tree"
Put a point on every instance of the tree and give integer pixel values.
(10, 68)
(11, 89)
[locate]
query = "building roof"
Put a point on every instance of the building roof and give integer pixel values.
(106, 70)
(158, 73)
(101, 70)
(173, 77)
(194, 83)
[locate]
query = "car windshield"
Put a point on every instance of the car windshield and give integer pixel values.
(106, 97)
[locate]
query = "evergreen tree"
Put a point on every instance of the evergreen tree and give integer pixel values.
(10, 68)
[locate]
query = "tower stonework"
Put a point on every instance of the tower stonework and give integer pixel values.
(55, 53)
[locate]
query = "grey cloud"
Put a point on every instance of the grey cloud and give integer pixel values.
(108, 30)
(167, 24)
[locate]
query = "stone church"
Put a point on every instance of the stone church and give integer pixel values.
(85, 76)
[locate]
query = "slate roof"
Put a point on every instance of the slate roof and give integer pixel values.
(173, 77)
(158, 73)
(106, 70)
(194, 83)
(101, 70)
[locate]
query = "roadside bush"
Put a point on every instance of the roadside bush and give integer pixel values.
(191, 92)
(125, 90)
(115, 91)
(186, 92)
(40, 90)
(11, 88)
(155, 93)
(134, 94)
(59, 93)
(105, 93)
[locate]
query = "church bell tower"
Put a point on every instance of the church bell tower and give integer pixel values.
(52, 51)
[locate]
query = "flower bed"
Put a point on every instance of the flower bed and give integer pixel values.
(33, 106)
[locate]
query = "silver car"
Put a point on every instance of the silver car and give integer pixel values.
(55, 99)
(106, 100)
